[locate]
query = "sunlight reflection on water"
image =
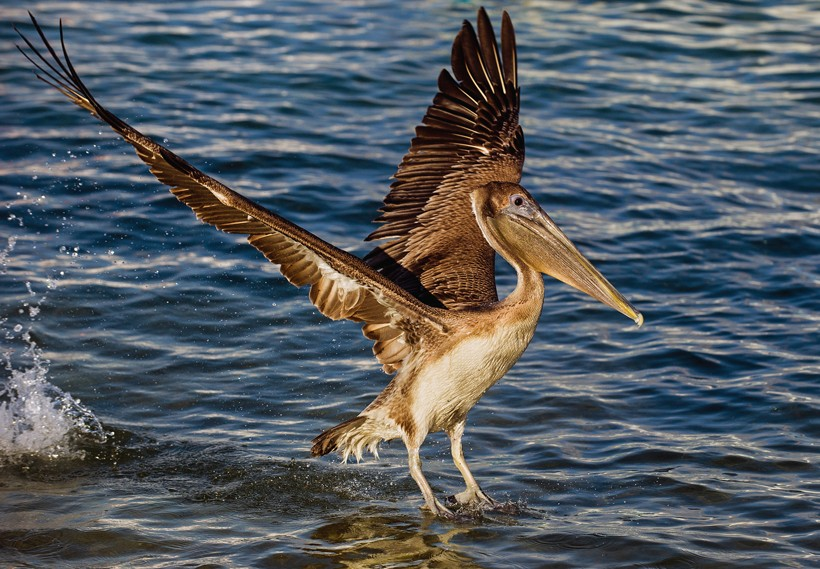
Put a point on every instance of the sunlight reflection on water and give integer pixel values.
(675, 142)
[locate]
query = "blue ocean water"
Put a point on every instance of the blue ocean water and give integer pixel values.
(163, 382)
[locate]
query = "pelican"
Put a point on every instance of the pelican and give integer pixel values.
(426, 295)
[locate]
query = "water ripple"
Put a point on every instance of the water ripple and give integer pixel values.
(675, 142)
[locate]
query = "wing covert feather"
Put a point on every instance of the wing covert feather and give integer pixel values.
(469, 136)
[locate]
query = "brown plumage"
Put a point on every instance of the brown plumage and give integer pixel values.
(469, 136)
(426, 296)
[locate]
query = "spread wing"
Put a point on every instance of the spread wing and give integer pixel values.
(469, 136)
(341, 284)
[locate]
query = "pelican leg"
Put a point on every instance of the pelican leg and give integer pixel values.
(415, 471)
(473, 494)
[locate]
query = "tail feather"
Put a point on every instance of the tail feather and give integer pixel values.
(347, 438)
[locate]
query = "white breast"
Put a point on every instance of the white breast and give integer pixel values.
(451, 385)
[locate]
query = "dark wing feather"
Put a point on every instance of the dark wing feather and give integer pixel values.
(469, 136)
(341, 284)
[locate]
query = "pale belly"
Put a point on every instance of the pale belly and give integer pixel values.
(451, 385)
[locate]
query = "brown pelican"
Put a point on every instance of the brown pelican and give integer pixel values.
(426, 296)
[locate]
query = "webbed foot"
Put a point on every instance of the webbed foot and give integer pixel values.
(438, 509)
(472, 497)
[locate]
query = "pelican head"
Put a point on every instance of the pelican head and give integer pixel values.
(521, 232)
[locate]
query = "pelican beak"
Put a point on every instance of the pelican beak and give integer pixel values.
(543, 246)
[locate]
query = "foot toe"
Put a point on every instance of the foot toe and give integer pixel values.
(440, 510)
(472, 496)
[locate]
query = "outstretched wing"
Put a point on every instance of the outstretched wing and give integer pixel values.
(341, 284)
(469, 136)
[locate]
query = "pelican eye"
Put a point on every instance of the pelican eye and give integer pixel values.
(517, 200)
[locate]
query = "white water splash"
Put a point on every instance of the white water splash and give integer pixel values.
(32, 417)
(37, 419)
(4, 254)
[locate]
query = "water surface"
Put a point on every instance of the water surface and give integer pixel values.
(164, 382)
